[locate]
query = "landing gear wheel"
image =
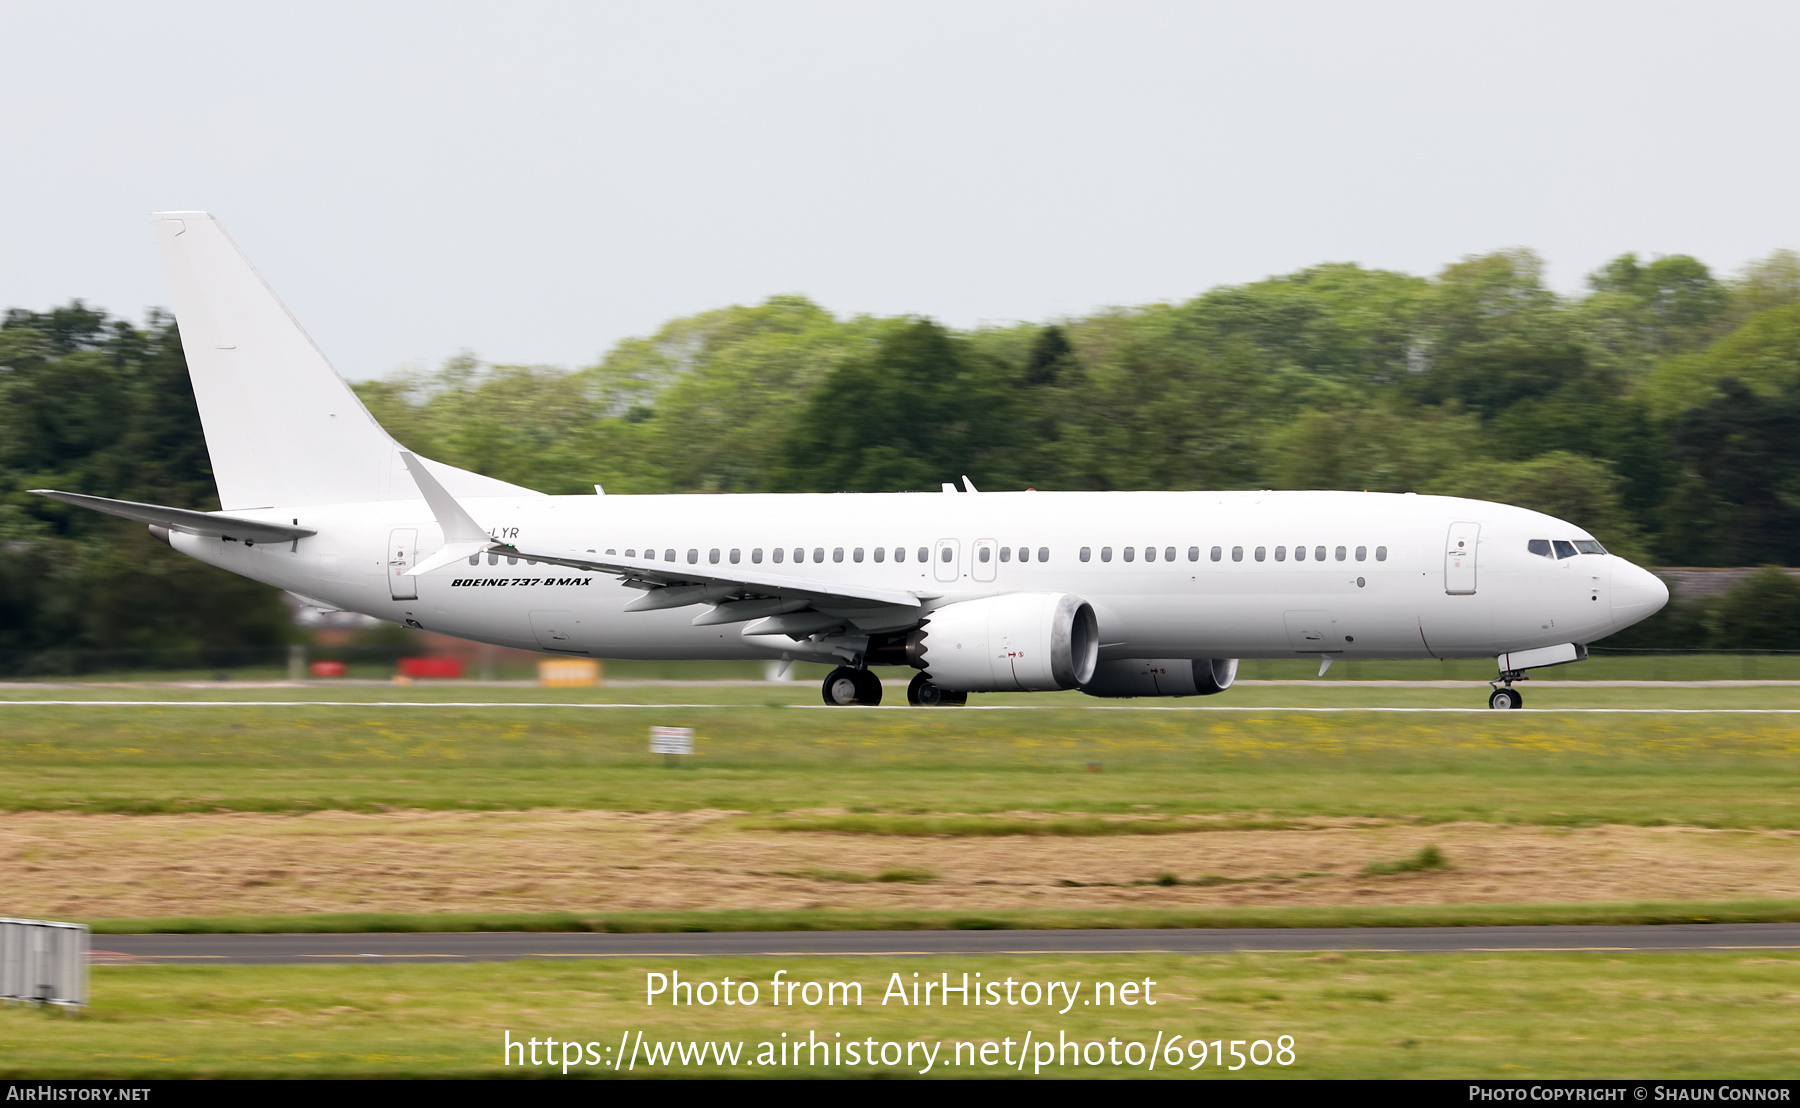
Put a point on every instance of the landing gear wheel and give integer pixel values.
(1506, 698)
(927, 695)
(868, 688)
(844, 685)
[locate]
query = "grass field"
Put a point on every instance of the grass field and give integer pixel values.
(409, 808)
(770, 755)
(1672, 1015)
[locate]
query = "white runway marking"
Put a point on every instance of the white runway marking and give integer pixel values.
(890, 707)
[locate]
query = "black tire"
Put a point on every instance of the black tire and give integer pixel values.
(868, 688)
(924, 694)
(842, 687)
(1504, 699)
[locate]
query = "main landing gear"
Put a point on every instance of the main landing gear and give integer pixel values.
(844, 685)
(927, 695)
(1504, 696)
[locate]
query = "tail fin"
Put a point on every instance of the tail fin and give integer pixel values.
(282, 427)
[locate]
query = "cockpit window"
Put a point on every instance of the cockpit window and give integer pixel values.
(1540, 547)
(1564, 549)
(1589, 546)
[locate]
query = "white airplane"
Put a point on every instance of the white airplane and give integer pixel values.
(1117, 594)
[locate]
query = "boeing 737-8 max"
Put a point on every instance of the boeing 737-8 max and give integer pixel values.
(1113, 593)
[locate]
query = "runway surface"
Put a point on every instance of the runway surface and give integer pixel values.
(512, 705)
(508, 946)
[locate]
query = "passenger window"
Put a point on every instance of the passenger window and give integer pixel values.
(631, 553)
(1340, 553)
(693, 556)
(819, 554)
(668, 555)
(982, 554)
(1215, 553)
(1281, 553)
(1149, 553)
(511, 561)
(856, 555)
(1299, 553)
(1261, 553)
(944, 555)
(837, 554)
(474, 559)
(899, 553)
(1024, 554)
(1130, 553)
(1168, 553)
(1086, 553)
(712, 556)
(1564, 549)
(1043, 553)
(1381, 553)
(1540, 547)
(493, 559)
(799, 554)
(1362, 553)
(779, 554)
(756, 555)
(1193, 553)
(1106, 553)
(1237, 553)
(881, 554)
(1318, 553)
(736, 555)
(1006, 553)
(925, 554)
(1589, 546)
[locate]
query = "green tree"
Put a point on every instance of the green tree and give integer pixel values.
(1761, 613)
(917, 410)
(1737, 499)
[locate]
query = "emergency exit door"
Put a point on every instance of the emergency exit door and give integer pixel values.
(402, 557)
(1459, 558)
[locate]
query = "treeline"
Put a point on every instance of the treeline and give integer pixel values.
(1660, 410)
(91, 404)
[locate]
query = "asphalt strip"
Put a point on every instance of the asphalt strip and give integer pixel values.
(888, 707)
(412, 948)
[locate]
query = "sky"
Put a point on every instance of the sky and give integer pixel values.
(534, 182)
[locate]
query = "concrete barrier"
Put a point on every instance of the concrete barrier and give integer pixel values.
(43, 962)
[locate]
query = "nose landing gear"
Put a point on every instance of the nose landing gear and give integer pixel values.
(1504, 695)
(844, 685)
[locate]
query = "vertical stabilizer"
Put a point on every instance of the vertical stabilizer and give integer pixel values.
(282, 427)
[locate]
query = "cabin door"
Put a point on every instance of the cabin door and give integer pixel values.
(1459, 558)
(402, 557)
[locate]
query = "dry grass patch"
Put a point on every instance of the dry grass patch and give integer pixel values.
(64, 865)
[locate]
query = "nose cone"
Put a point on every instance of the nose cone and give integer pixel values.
(1637, 594)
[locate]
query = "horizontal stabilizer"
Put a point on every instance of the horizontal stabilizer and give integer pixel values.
(183, 519)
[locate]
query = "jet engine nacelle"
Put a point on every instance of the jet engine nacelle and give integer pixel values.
(1020, 642)
(1162, 677)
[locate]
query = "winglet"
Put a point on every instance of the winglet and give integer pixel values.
(458, 524)
(463, 537)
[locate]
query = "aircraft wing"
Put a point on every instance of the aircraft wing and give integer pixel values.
(215, 524)
(736, 593)
(675, 585)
